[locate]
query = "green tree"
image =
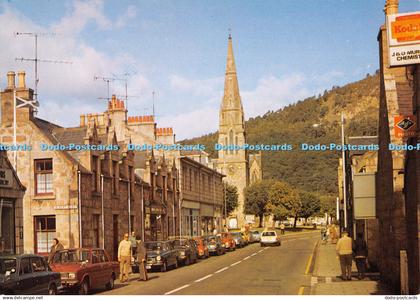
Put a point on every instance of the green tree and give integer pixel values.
(256, 199)
(284, 200)
(231, 194)
(311, 204)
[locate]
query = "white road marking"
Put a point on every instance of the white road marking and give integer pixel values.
(266, 247)
(178, 289)
(253, 254)
(260, 251)
(234, 264)
(221, 270)
(248, 257)
(204, 278)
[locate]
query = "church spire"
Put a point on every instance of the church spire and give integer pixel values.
(231, 96)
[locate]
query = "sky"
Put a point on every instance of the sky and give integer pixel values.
(285, 51)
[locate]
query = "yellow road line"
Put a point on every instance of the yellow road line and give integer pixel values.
(300, 292)
(308, 265)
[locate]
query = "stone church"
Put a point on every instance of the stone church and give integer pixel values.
(240, 167)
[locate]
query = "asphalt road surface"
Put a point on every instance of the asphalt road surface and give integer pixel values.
(252, 270)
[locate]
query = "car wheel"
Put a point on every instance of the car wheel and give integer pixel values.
(84, 288)
(262, 245)
(110, 284)
(164, 267)
(176, 265)
(187, 261)
(52, 290)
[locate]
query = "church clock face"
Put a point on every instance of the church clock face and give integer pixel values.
(231, 169)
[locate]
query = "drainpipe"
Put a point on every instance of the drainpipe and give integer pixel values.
(129, 206)
(102, 208)
(142, 211)
(79, 200)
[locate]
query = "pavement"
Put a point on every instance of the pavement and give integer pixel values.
(253, 270)
(325, 278)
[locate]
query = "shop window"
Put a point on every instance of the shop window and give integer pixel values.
(43, 176)
(45, 232)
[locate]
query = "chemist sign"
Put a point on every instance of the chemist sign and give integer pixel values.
(403, 32)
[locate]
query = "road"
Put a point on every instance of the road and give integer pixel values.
(248, 271)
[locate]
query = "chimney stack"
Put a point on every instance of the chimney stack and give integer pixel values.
(21, 80)
(11, 80)
(82, 120)
(391, 7)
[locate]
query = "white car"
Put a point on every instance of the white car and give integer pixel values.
(269, 237)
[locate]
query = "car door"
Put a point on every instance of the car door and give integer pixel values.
(25, 282)
(172, 253)
(106, 266)
(41, 277)
(95, 270)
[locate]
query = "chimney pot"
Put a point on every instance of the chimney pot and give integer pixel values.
(11, 80)
(21, 80)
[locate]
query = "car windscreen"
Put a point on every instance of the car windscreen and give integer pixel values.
(7, 265)
(71, 256)
(180, 243)
(269, 233)
(155, 246)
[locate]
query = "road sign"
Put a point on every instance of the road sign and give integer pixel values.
(404, 126)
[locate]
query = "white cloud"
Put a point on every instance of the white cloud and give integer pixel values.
(61, 84)
(130, 13)
(193, 123)
(273, 93)
(197, 87)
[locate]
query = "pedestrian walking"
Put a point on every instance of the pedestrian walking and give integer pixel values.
(54, 248)
(360, 252)
(225, 229)
(282, 227)
(141, 259)
(133, 242)
(324, 236)
(124, 258)
(345, 251)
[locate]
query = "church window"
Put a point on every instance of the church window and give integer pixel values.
(231, 140)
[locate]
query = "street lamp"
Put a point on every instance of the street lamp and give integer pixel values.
(344, 171)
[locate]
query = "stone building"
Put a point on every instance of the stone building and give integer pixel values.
(397, 178)
(11, 211)
(235, 164)
(181, 201)
(358, 163)
(83, 197)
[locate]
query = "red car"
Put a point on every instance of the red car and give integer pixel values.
(228, 241)
(85, 269)
(203, 250)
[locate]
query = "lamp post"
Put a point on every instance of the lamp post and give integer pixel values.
(343, 153)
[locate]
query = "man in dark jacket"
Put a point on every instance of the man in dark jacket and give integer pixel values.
(141, 259)
(360, 252)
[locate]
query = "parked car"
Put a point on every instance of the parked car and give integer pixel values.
(203, 250)
(239, 239)
(27, 274)
(84, 269)
(187, 250)
(269, 237)
(228, 241)
(215, 245)
(255, 236)
(161, 255)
